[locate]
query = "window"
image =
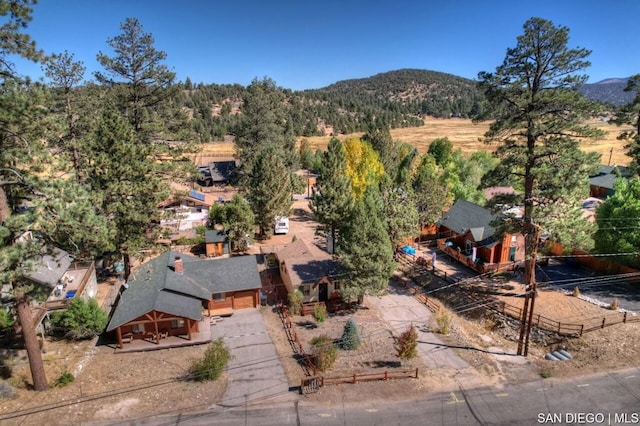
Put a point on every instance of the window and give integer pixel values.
(177, 323)
(336, 285)
(468, 247)
(137, 328)
(306, 290)
(219, 297)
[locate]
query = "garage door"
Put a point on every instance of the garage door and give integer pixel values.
(244, 299)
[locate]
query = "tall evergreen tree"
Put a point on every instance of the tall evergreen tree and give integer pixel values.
(148, 83)
(239, 222)
(20, 160)
(65, 74)
(400, 210)
(265, 125)
(539, 117)
(365, 250)
(630, 115)
(441, 149)
(432, 196)
(269, 190)
(387, 149)
(128, 181)
(332, 200)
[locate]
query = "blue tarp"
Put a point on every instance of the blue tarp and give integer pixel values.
(409, 250)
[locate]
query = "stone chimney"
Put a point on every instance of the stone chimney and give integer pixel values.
(178, 266)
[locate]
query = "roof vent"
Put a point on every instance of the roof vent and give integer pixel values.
(178, 266)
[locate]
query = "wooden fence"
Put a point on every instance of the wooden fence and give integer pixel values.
(422, 298)
(313, 384)
(567, 329)
(591, 262)
(369, 377)
(294, 341)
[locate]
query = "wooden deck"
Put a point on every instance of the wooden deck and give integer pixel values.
(141, 345)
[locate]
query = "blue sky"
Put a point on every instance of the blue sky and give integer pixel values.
(306, 44)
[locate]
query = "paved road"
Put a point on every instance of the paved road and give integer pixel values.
(606, 399)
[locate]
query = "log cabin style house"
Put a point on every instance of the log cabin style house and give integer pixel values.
(466, 233)
(170, 294)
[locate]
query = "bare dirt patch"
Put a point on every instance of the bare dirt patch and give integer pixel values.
(110, 386)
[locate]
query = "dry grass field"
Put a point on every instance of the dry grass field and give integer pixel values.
(462, 132)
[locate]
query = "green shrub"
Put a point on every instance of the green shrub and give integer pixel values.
(185, 241)
(350, 339)
(295, 302)
(213, 363)
(443, 320)
(81, 320)
(323, 352)
(407, 344)
(7, 320)
(320, 313)
(64, 380)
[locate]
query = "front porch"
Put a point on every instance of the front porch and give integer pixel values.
(478, 264)
(150, 344)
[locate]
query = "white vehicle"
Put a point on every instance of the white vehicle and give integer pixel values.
(281, 225)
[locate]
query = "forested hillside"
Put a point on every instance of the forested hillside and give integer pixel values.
(393, 99)
(610, 91)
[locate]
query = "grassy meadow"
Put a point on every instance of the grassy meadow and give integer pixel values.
(461, 132)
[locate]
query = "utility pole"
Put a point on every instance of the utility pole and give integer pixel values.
(610, 155)
(526, 321)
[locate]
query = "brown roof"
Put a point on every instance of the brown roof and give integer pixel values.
(304, 264)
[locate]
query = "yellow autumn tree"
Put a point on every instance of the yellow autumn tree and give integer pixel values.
(363, 165)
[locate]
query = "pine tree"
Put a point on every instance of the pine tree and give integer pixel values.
(432, 197)
(138, 64)
(350, 339)
(400, 210)
(630, 115)
(238, 222)
(365, 251)
(21, 159)
(539, 118)
(269, 190)
(332, 200)
(65, 74)
(128, 183)
(265, 125)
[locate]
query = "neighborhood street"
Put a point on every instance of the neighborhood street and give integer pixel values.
(605, 399)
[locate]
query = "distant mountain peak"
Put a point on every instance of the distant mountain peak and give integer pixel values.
(612, 80)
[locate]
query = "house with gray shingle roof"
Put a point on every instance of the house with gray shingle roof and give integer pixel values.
(602, 184)
(466, 232)
(311, 271)
(168, 295)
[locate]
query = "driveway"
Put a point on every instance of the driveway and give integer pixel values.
(400, 309)
(255, 374)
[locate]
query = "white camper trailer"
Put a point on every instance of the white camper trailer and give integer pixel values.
(281, 225)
